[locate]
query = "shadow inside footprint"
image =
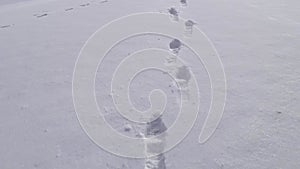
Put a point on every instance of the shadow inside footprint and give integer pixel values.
(5, 26)
(104, 1)
(69, 9)
(84, 5)
(40, 15)
(183, 2)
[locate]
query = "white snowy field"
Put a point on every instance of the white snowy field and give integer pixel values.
(5, 2)
(258, 42)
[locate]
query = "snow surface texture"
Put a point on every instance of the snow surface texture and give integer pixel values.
(258, 42)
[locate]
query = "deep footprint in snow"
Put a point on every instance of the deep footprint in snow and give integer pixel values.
(183, 76)
(183, 72)
(104, 1)
(155, 146)
(175, 46)
(41, 15)
(5, 26)
(189, 23)
(127, 128)
(69, 9)
(85, 5)
(189, 27)
(183, 2)
(173, 13)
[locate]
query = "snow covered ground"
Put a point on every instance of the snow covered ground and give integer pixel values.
(258, 42)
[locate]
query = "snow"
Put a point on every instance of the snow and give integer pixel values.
(258, 42)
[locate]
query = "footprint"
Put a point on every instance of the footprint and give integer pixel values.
(69, 9)
(173, 13)
(40, 15)
(175, 46)
(183, 2)
(84, 5)
(183, 73)
(127, 128)
(189, 27)
(189, 23)
(5, 26)
(104, 1)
